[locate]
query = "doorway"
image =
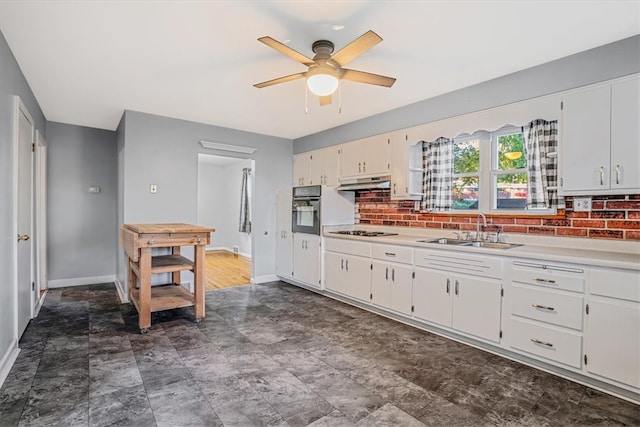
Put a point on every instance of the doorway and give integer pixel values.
(220, 181)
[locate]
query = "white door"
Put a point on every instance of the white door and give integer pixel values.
(358, 277)
(401, 286)
(476, 306)
(24, 218)
(376, 152)
(334, 279)
(380, 283)
(432, 292)
(625, 134)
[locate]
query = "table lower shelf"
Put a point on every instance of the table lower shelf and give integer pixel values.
(165, 297)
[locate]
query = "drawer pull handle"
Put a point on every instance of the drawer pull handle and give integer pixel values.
(543, 307)
(537, 279)
(537, 341)
(389, 254)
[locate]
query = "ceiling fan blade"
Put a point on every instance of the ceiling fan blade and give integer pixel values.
(356, 48)
(372, 79)
(286, 50)
(280, 80)
(325, 100)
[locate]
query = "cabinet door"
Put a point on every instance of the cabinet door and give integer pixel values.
(432, 291)
(401, 288)
(284, 241)
(306, 259)
(625, 135)
(301, 169)
(351, 158)
(331, 163)
(476, 306)
(399, 159)
(358, 277)
(613, 340)
(380, 283)
(586, 123)
(334, 272)
(376, 155)
(316, 167)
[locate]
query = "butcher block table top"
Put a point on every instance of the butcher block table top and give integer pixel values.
(167, 228)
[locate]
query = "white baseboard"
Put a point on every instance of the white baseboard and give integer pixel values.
(38, 306)
(122, 294)
(230, 250)
(80, 281)
(8, 359)
(265, 279)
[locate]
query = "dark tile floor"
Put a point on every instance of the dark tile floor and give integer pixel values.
(271, 354)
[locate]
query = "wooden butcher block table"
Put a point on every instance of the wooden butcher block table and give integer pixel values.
(138, 240)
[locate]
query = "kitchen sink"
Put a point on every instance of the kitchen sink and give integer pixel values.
(446, 241)
(494, 245)
(475, 244)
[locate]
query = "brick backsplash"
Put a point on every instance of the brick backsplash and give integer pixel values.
(611, 217)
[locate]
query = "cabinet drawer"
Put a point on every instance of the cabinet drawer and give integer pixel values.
(459, 262)
(547, 341)
(345, 246)
(546, 305)
(548, 275)
(401, 254)
(621, 284)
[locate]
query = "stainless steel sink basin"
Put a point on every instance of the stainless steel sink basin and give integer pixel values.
(475, 244)
(494, 245)
(446, 241)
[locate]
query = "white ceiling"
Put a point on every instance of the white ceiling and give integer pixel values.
(88, 61)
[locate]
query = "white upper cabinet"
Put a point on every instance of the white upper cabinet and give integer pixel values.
(406, 167)
(365, 157)
(599, 142)
(317, 167)
(301, 164)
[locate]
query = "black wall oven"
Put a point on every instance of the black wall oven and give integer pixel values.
(305, 212)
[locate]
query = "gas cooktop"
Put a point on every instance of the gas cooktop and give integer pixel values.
(363, 233)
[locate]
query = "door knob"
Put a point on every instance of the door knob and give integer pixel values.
(23, 237)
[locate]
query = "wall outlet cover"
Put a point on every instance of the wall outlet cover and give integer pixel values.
(153, 188)
(582, 204)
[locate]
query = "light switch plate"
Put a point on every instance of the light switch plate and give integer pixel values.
(94, 189)
(153, 188)
(582, 204)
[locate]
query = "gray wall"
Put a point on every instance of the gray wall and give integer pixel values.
(164, 151)
(82, 225)
(12, 82)
(595, 65)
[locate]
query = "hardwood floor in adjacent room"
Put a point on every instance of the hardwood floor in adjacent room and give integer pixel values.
(225, 269)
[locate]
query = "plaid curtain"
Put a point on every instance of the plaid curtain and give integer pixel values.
(245, 214)
(540, 141)
(437, 157)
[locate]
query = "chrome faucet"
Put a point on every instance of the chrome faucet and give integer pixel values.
(484, 225)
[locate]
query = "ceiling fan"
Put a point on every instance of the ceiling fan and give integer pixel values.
(325, 70)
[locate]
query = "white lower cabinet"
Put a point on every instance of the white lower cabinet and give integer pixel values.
(612, 348)
(348, 268)
(306, 259)
(284, 241)
(392, 278)
(545, 305)
(442, 294)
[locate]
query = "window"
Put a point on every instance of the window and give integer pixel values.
(490, 173)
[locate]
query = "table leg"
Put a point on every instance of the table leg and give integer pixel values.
(198, 281)
(175, 250)
(144, 314)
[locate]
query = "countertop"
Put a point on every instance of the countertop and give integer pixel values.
(628, 257)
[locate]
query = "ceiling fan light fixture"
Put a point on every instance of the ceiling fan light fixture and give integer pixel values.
(322, 81)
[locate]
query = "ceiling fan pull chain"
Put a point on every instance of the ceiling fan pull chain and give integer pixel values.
(306, 100)
(339, 97)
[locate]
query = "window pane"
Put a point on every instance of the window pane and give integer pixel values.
(465, 193)
(511, 152)
(511, 191)
(466, 156)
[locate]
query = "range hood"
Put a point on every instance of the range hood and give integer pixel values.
(382, 182)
